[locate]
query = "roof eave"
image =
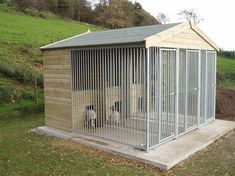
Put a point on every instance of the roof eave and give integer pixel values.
(48, 46)
(137, 43)
(204, 36)
(160, 37)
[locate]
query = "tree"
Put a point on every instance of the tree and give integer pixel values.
(162, 18)
(103, 2)
(52, 6)
(121, 13)
(141, 17)
(82, 10)
(138, 6)
(190, 15)
(63, 7)
(22, 5)
(115, 14)
(40, 5)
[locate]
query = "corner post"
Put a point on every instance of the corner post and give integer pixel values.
(206, 88)
(177, 94)
(199, 89)
(147, 100)
(159, 95)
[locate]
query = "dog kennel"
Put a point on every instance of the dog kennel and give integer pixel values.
(138, 86)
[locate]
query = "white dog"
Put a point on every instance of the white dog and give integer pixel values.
(91, 117)
(114, 117)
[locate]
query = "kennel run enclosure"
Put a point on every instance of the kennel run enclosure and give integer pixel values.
(140, 94)
(158, 93)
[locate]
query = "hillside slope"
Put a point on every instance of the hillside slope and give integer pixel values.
(20, 39)
(22, 35)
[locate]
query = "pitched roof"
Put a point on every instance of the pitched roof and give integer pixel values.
(111, 37)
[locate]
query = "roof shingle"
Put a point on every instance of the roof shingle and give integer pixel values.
(111, 37)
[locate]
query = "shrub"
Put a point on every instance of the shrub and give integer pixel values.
(226, 76)
(20, 73)
(7, 93)
(25, 48)
(22, 111)
(27, 95)
(230, 54)
(31, 109)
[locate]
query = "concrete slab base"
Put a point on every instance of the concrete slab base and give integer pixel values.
(164, 156)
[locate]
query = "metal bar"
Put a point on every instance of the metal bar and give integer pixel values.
(215, 73)
(199, 89)
(159, 95)
(186, 92)
(177, 95)
(147, 99)
(72, 64)
(206, 90)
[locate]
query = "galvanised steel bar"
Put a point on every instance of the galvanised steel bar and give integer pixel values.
(177, 95)
(206, 88)
(215, 66)
(199, 89)
(186, 94)
(136, 96)
(159, 96)
(147, 99)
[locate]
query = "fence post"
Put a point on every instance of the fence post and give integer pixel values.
(35, 90)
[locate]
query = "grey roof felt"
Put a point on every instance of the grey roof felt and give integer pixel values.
(111, 37)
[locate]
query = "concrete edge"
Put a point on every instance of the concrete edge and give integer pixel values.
(125, 155)
(198, 148)
(89, 141)
(48, 131)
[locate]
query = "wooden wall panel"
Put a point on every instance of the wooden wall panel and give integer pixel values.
(188, 39)
(57, 89)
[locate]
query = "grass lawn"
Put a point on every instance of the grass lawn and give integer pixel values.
(24, 153)
(225, 64)
(20, 28)
(226, 72)
(21, 36)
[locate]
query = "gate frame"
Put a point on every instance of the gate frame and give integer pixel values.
(196, 89)
(176, 50)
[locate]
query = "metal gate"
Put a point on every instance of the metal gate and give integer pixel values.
(192, 89)
(109, 94)
(208, 86)
(168, 93)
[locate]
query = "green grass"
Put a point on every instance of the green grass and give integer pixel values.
(24, 153)
(225, 64)
(20, 28)
(22, 35)
(226, 72)
(20, 38)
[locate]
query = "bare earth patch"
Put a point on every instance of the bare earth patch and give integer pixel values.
(225, 104)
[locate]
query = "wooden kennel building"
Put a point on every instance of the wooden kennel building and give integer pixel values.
(138, 86)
